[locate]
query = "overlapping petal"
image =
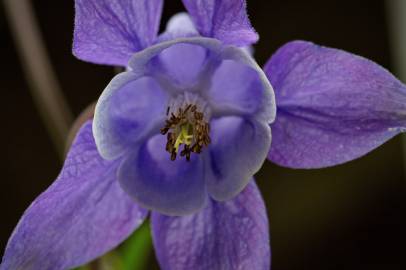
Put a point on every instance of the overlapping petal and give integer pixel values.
(239, 89)
(227, 76)
(179, 25)
(142, 63)
(110, 31)
(332, 106)
(226, 20)
(182, 65)
(227, 235)
(238, 149)
(160, 184)
(78, 218)
(129, 109)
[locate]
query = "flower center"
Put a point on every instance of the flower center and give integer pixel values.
(187, 125)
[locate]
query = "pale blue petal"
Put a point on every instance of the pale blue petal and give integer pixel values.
(239, 89)
(237, 151)
(129, 109)
(158, 183)
(179, 25)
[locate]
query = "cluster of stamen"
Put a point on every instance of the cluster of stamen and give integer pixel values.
(186, 126)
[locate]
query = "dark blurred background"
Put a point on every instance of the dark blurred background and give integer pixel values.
(347, 217)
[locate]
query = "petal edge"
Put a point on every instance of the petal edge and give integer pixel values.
(225, 20)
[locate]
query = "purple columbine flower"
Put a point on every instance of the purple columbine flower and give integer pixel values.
(181, 133)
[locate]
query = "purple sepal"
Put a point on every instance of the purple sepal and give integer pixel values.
(227, 235)
(333, 106)
(226, 20)
(110, 31)
(82, 215)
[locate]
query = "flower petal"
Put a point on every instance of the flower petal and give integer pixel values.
(182, 64)
(158, 183)
(129, 109)
(179, 25)
(181, 22)
(178, 63)
(238, 149)
(238, 88)
(225, 235)
(332, 106)
(83, 214)
(193, 63)
(110, 31)
(226, 20)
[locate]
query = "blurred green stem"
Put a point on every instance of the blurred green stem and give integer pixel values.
(42, 80)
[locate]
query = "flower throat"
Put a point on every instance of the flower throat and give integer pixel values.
(186, 125)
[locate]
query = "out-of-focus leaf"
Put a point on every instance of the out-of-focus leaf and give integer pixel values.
(137, 248)
(110, 261)
(133, 254)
